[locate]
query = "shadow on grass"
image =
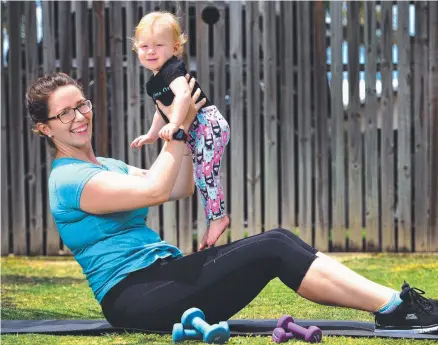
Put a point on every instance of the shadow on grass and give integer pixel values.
(19, 279)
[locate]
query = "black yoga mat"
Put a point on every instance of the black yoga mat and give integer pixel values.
(237, 327)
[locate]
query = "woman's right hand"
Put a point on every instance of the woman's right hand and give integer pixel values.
(194, 106)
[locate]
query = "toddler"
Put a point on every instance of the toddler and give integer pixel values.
(159, 44)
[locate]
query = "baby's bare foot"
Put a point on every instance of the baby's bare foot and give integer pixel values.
(216, 229)
(203, 244)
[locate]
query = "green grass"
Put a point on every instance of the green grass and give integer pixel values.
(54, 288)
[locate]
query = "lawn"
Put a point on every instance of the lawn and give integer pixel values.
(54, 288)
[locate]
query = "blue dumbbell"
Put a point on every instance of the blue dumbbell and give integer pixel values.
(195, 318)
(179, 333)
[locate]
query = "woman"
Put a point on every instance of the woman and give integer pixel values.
(100, 206)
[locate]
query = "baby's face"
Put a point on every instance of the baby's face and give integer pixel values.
(155, 47)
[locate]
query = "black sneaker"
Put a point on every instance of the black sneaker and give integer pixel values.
(416, 314)
(433, 301)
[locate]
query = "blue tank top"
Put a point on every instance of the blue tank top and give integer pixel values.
(108, 247)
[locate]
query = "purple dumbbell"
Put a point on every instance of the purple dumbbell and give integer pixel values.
(280, 336)
(311, 335)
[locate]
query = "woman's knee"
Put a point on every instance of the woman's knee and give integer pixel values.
(282, 232)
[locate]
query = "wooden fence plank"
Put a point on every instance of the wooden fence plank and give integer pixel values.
(253, 119)
(82, 52)
(35, 169)
(321, 158)
(270, 111)
(371, 150)
(236, 179)
(100, 80)
(5, 186)
(185, 206)
(118, 138)
(203, 77)
(354, 132)
(65, 36)
(337, 130)
(219, 95)
(304, 123)
(133, 93)
(433, 85)
(404, 125)
(150, 151)
(421, 127)
(52, 236)
(387, 133)
(287, 116)
(18, 201)
(170, 219)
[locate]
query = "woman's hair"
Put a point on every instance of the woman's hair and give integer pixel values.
(167, 19)
(38, 94)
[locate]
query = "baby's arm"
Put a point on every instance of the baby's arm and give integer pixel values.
(152, 134)
(180, 107)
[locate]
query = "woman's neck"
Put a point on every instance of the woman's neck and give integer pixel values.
(84, 154)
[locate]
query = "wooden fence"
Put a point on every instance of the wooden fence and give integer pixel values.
(360, 176)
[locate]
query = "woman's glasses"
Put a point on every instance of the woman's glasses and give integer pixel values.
(68, 115)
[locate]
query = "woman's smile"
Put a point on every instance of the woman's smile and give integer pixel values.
(82, 129)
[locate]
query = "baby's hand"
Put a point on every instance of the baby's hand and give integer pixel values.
(143, 139)
(167, 131)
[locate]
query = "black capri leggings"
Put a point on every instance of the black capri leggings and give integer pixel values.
(220, 281)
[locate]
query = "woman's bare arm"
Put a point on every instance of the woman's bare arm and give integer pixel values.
(108, 192)
(184, 185)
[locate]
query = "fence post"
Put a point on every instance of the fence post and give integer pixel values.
(433, 86)
(305, 115)
(337, 131)
(253, 119)
(18, 176)
(404, 126)
(421, 127)
(219, 70)
(35, 169)
(371, 149)
(100, 80)
(5, 178)
(270, 112)
(354, 132)
(52, 236)
(65, 36)
(118, 137)
(82, 44)
(387, 131)
(321, 159)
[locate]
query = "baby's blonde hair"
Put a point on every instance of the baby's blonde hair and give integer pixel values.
(169, 20)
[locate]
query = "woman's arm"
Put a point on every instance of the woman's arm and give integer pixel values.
(132, 170)
(108, 192)
(184, 185)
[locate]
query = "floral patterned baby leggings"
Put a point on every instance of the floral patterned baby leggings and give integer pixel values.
(208, 136)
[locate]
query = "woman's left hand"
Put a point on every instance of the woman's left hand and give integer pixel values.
(194, 107)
